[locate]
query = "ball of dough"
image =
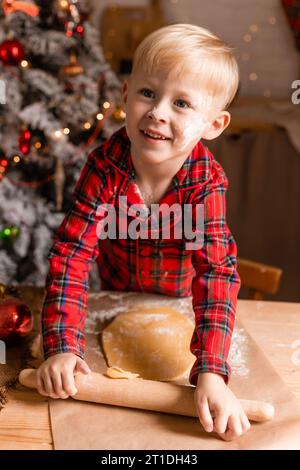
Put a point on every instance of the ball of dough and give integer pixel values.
(152, 342)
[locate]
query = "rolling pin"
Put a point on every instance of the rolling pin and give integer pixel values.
(143, 394)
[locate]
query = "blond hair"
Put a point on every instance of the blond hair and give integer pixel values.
(190, 49)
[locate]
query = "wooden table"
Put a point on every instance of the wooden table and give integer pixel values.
(25, 421)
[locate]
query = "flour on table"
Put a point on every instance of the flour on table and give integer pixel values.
(96, 317)
(239, 353)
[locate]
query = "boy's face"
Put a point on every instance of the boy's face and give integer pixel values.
(172, 105)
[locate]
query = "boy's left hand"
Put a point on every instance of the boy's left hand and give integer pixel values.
(218, 408)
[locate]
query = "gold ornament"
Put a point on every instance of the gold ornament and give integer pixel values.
(118, 114)
(73, 68)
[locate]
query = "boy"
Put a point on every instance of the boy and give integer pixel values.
(182, 80)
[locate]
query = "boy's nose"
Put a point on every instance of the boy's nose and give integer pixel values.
(158, 114)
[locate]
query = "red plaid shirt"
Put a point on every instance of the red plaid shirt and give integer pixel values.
(161, 266)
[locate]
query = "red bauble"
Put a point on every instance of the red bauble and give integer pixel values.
(24, 141)
(16, 319)
(11, 52)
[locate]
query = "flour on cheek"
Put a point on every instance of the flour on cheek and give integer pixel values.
(189, 131)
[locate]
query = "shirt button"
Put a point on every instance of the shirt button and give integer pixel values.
(145, 251)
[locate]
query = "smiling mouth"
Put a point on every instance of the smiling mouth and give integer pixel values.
(152, 136)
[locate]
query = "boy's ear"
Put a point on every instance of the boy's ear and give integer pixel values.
(217, 126)
(124, 92)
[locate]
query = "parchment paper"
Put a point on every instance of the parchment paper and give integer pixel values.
(78, 425)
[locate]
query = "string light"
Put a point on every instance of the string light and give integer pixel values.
(64, 4)
(253, 76)
(272, 20)
(253, 28)
(106, 105)
(16, 158)
(66, 131)
(58, 134)
(24, 63)
(267, 93)
(27, 135)
(38, 145)
(24, 148)
(247, 37)
(100, 116)
(7, 232)
(245, 56)
(87, 125)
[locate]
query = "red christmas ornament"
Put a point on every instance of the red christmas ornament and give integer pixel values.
(16, 319)
(80, 30)
(12, 52)
(24, 141)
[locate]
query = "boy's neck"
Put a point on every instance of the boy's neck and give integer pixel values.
(156, 175)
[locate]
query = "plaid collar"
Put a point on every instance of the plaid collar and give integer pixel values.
(196, 169)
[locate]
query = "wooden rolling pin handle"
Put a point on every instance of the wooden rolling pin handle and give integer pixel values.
(145, 394)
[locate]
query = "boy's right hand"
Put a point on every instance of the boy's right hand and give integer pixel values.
(55, 377)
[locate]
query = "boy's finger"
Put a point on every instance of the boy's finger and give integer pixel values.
(81, 366)
(245, 423)
(204, 414)
(40, 386)
(57, 385)
(221, 420)
(48, 386)
(234, 428)
(68, 383)
(234, 423)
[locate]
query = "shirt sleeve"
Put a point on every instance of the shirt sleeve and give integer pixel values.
(74, 247)
(215, 286)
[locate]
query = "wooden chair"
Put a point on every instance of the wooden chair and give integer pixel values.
(259, 278)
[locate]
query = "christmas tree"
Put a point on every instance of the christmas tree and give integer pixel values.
(59, 99)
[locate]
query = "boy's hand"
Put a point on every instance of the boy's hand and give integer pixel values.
(55, 377)
(218, 408)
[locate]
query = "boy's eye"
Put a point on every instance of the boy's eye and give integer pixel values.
(146, 92)
(182, 104)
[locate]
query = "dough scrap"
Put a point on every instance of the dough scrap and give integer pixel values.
(118, 373)
(151, 342)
